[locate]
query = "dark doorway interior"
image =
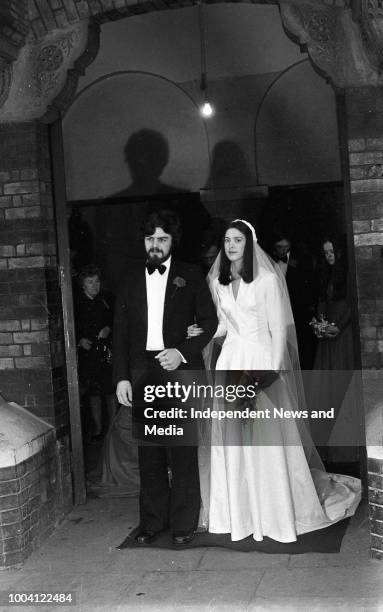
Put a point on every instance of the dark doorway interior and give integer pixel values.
(308, 212)
(108, 233)
(112, 235)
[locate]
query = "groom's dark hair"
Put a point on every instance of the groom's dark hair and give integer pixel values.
(167, 220)
(247, 272)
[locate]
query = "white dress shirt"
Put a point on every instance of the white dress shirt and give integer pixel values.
(283, 265)
(155, 293)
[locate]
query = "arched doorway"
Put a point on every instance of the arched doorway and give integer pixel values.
(239, 94)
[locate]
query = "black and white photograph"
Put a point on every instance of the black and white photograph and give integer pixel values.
(191, 305)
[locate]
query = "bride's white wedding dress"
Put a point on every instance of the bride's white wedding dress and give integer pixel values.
(263, 485)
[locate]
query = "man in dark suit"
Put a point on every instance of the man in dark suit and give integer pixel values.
(154, 308)
(298, 270)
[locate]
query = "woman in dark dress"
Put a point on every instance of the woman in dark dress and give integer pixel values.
(334, 380)
(93, 322)
(336, 349)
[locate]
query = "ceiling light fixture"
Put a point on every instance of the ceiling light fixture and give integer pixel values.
(206, 108)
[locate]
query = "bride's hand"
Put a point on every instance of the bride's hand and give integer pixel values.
(193, 331)
(263, 378)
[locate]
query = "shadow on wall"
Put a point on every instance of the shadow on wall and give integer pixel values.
(119, 238)
(147, 154)
(231, 189)
(229, 167)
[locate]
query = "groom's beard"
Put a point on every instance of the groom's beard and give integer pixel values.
(157, 257)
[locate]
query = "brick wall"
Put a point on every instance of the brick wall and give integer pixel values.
(375, 492)
(46, 15)
(32, 364)
(14, 25)
(366, 172)
(34, 496)
(32, 358)
(364, 108)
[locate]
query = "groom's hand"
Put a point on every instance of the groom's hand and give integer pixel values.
(169, 359)
(124, 392)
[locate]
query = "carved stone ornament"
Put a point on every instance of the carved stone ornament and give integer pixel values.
(64, 98)
(41, 71)
(319, 29)
(49, 63)
(50, 58)
(333, 39)
(370, 17)
(374, 8)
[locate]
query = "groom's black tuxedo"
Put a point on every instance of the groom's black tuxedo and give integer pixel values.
(187, 300)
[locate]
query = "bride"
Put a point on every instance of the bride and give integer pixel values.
(262, 477)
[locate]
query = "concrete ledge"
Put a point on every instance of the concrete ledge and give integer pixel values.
(22, 434)
(35, 491)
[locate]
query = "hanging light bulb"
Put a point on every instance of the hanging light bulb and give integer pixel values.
(206, 108)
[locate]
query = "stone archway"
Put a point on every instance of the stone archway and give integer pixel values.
(51, 44)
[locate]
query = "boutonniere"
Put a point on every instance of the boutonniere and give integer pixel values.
(178, 281)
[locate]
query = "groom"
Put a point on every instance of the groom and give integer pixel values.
(154, 307)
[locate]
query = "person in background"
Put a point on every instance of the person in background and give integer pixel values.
(335, 357)
(296, 264)
(211, 242)
(93, 324)
(335, 349)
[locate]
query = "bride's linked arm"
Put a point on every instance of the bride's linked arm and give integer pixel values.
(195, 330)
(204, 315)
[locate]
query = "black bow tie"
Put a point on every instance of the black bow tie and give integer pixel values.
(284, 259)
(152, 268)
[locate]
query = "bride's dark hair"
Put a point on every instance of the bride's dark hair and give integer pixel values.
(246, 272)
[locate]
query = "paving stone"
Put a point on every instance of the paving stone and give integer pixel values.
(347, 582)
(81, 555)
(53, 581)
(9, 577)
(315, 604)
(224, 559)
(105, 590)
(156, 560)
(213, 588)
